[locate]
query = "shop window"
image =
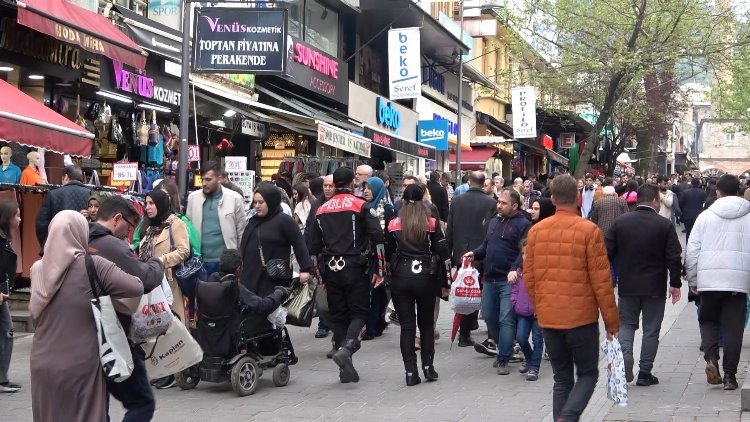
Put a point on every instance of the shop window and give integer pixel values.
(294, 18)
(322, 27)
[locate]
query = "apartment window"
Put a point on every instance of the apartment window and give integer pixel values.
(322, 27)
(730, 139)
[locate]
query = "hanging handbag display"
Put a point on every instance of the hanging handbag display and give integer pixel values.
(300, 304)
(142, 130)
(115, 132)
(277, 270)
(186, 273)
(114, 351)
(153, 131)
(103, 120)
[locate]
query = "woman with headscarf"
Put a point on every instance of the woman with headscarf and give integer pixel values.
(541, 208)
(96, 200)
(165, 236)
(376, 197)
(272, 234)
(67, 381)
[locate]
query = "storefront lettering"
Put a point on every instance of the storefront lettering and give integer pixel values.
(387, 115)
(141, 85)
(322, 86)
(70, 34)
(434, 79)
(452, 126)
(423, 152)
(381, 139)
(315, 60)
(39, 46)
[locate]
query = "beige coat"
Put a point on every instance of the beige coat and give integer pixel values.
(232, 218)
(172, 257)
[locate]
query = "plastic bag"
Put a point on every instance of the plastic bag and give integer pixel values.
(617, 388)
(465, 296)
(300, 304)
(277, 318)
(172, 352)
(152, 318)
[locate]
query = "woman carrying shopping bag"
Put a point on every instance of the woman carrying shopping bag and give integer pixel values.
(422, 254)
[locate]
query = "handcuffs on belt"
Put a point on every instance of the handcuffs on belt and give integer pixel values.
(336, 264)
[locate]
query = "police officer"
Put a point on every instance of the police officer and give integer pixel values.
(348, 233)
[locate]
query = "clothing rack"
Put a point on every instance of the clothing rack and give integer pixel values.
(316, 165)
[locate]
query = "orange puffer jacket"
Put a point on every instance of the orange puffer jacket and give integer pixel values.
(566, 271)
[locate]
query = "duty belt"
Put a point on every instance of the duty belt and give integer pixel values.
(336, 263)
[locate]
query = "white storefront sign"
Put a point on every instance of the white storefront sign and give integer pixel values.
(235, 163)
(404, 63)
(124, 172)
(524, 112)
(343, 140)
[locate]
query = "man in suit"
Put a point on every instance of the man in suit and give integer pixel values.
(648, 248)
(691, 204)
(468, 218)
(439, 195)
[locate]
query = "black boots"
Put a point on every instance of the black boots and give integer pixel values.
(429, 373)
(343, 358)
(412, 374)
(329, 355)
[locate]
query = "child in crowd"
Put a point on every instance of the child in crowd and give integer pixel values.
(527, 324)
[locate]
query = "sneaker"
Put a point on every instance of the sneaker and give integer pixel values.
(486, 347)
(502, 368)
(712, 373)
(321, 333)
(532, 375)
(524, 368)
(730, 382)
(645, 379)
(9, 387)
(165, 383)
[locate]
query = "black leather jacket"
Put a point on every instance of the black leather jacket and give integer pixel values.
(8, 262)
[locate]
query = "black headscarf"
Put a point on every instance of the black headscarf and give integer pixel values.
(272, 196)
(546, 208)
(163, 206)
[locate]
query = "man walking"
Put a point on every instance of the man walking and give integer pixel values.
(691, 204)
(345, 229)
(501, 252)
(71, 196)
(218, 214)
(587, 196)
(666, 198)
(603, 214)
(468, 218)
(717, 267)
(108, 239)
(567, 278)
(438, 195)
(648, 248)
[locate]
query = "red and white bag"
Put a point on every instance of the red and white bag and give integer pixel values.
(465, 296)
(153, 317)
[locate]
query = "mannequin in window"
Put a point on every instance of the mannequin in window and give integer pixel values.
(9, 172)
(30, 175)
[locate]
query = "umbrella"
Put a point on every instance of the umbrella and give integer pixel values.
(454, 330)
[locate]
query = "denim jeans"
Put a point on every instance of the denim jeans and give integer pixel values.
(6, 341)
(499, 315)
(652, 310)
(530, 325)
(568, 349)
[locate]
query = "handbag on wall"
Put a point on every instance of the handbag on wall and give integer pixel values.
(276, 269)
(142, 130)
(115, 132)
(114, 351)
(153, 131)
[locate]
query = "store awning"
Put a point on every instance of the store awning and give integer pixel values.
(76, 25)
(26, 121)
(530, 145)
(151, 35)
(474, 159)
(555, 156)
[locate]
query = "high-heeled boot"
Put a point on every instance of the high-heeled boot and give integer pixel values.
(412, 373)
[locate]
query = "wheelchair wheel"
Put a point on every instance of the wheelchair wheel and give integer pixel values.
(185, 380)
(281, 375)
(244, 377)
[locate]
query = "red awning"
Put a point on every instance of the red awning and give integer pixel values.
(29, 122)
(84, 28)
(474, 159)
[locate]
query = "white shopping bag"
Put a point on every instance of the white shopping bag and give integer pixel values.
(172, 352)
(617, 389)
(152, 318)
(465, 296)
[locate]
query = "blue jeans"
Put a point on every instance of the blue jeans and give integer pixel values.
(529, 325)
(499, 315)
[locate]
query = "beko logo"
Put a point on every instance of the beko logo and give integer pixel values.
(431, 135)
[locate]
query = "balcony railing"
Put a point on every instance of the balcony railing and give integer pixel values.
(137, 6)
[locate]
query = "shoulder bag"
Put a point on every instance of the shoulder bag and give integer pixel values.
(276, 269)
(114, 351)
(186, 273)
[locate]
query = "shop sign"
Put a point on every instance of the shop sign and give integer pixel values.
(343, 140)
(387, 115)
(143, 86)
(567, 140)
(319, 72)
(434, 133)
(442, 85)
(19, 39)
(235, 163)
(166, 12)
(239, 40)
(371, 109)
(524, 112)
(429, 110)
(254, 128)
(400, 145)
(404, 66)
(194, 153)
(122, 172)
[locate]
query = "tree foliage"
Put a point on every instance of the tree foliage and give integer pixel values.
(732, 96)
(604, 52)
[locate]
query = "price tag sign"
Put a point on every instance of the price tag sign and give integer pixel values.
(197, 181)
(124, 172)
(194, 153)
(235, 163)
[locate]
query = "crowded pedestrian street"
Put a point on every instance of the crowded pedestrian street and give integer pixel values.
(468, 390)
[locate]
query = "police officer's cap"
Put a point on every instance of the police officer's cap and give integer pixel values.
(343, 176)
